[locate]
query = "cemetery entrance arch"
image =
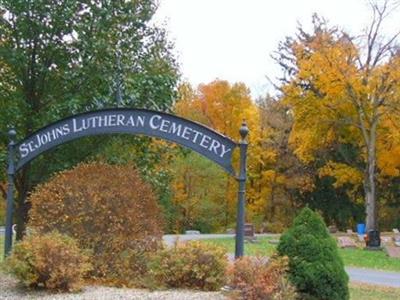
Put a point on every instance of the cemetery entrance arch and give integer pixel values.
(199, 138)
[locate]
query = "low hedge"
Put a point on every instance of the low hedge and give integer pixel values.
(192, 265)
(53, 261)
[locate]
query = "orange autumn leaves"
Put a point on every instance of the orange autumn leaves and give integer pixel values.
(223, 107)
(337, 114)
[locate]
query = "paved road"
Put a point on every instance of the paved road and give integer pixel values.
(171, 238)
(384, 278)
(369, 276)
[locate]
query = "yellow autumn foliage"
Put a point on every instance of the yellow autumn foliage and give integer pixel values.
(334, 100)
(223, 107)
(342, 173)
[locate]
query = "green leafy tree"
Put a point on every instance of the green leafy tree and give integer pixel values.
(198, 193)
(315, 266)
(334, 203)
(58, 58)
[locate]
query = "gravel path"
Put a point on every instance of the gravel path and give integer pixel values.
(10, 290)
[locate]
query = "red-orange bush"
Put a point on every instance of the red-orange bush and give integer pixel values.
(257, 278)
(192, 265)
(53, 261)
(107, 208)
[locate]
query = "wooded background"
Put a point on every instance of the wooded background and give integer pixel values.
(328, 138)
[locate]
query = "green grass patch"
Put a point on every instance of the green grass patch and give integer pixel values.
(262, 247)
(373, 292)
(369, 259)
(351, 257)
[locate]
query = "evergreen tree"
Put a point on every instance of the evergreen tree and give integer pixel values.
(315, 266)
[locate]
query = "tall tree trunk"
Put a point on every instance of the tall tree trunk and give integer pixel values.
(22, 206)
(226, 203)
(271, 207)
(22, 210)
(24, 185)
(370, 182)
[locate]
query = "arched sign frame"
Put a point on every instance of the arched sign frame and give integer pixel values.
(195, 136)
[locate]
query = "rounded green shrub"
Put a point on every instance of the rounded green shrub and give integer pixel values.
(315, 266)
(193, 265)
(53, 261)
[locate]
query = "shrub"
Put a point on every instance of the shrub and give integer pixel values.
(190, 265)
(53, 261)
(315, 266)
(107, 208)
(259, 278)
(132, 269)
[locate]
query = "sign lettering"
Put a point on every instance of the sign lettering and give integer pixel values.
(199, 138)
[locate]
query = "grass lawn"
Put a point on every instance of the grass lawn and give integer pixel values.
(351, 257)
(262, 248)
(372, 292)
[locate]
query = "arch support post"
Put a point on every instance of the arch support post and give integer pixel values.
(10, 192)
(240, 217)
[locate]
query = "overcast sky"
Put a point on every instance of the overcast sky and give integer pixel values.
(233, 39)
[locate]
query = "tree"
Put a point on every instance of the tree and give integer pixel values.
(281, 176)
(223, 107)
(62, 57)
(198, 206)
(315, 266)
(344, 89)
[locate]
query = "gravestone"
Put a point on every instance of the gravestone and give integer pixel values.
(393, 251)
(249, 232)
(192, 232)
(373, 240)
(332, 229)
(249, 229)
(386, 240)
(396, 237)
(346, 242)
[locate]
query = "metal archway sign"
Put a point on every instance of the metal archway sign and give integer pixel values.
(197, 137)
